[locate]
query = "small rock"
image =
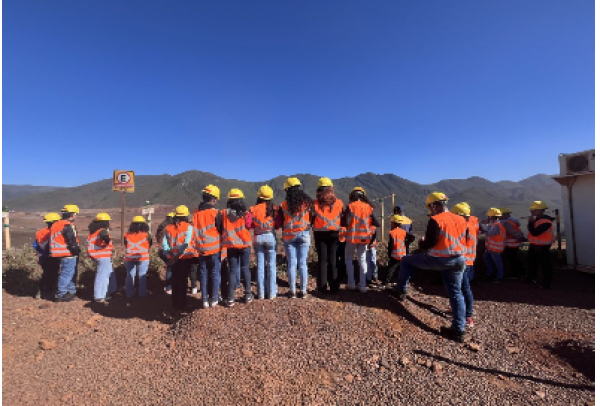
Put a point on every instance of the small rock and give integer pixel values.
(358, 378)
(436, 367)
(429, 363)
(47, 344)
(512, 349)
(39, 356)
(349, 378)
(247, 353)
(405, 361)
(171, 344)
(474, 346)
(382, 369)
(384, 363)
(66, 397)
(46, 305)
(421, 361)
(540, 394)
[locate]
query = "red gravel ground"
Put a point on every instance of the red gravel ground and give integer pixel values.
(528, 347)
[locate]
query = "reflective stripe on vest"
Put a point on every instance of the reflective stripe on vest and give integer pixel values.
(175, 234)
(511, 242)
(496, 241)
(451, 241)
(359, 225)
(235, 234)
(43, 239)
(205, 236)
(294, 225)
(399, 250)
(58, 245)
(325, 223)
(260, 222)
(546, 238)
(97, 248)
(471, 242)
(138, 249)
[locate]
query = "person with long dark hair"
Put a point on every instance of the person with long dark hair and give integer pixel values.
(360, 222)
(326, 229)
(99, 248)
(137, 256)
(265, 219)
(296, 211)
(236, 238)
(160, 233)
(50, 266)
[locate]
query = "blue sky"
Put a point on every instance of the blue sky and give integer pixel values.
(255, 89)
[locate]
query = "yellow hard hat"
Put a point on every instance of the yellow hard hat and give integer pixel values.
(436, 197)
(51, 217)
(538, 205)
(213, 191)
(462, 209)
(139, 219)
(172, 214)
(182, 211)
(504, 210)
(398, 219)
(235, 194)
(71, 208)
(465, 204)
(325, 182)
(102, 217)
(265, 192)
(291, 182)
(359, 189)
(494, 212)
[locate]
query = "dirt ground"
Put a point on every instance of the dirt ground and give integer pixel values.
(528, 347)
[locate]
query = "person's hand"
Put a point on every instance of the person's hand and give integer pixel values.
(422, 239)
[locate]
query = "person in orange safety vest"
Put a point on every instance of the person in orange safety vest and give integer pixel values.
(100, 249)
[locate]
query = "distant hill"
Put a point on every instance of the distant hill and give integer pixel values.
(14, 191)
(186, 187)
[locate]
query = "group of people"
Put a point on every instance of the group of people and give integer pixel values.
(198, 244)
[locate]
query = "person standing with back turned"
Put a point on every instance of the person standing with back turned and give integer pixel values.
(64, 245)
(541, 236)
(49, 265)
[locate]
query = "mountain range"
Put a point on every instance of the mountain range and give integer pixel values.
(186, 188)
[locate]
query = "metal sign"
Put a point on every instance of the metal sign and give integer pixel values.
(123, 181)
(147, 210)
(4, 214)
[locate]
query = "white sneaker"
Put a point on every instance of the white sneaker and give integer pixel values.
(213, 304)
(362, 289)
(194, 291)
(350, 287)
(205, 305)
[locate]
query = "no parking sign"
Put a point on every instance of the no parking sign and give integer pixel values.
(123, 181)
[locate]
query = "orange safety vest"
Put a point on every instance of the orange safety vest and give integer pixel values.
(235, 234)
(451, 241)
(42, 237)
(471, 243)
(262, 224)
(328, 218)
(97, 247)
(359, 223)
(511, 242)
(137, 247)
(175, 234)
(497, 241)
(58, 245)
(398, 235)
(294, 224)
(546, 238)
(205, 236)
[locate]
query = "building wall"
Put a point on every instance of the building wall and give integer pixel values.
(583, 218)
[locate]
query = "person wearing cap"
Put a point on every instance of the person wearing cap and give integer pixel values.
(208, 225)
(514, 238)
(360, 225)
(50, 266)
(100, 248)
(265, 219)
(398, 242)
(160, 233)
(297, 214)
(235, 237)
(64, 245)
(540, 234)
(326, 225)
(137, 256)
(495, 240)
(175, 244)
(444, 241)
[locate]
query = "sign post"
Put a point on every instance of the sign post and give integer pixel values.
(123, 181)
(6, 229)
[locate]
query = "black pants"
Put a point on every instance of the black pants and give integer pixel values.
(393, 264)
(341, 261)
(326, 243)
(194, 273)
(539, 254)
(49, 279)
(511, 257)
(180, 270)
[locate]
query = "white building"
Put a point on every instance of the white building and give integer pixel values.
(577, 179)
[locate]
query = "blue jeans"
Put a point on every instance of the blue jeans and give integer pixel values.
(361, 250)
(67, 276)
(264, 246)
(106, 281)
(296, 252)
(466, 290)
(452, 273)
(142, 268)
(470, 272)
(490, 259)
(210, 268)
(239, 260)
(372, 263)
